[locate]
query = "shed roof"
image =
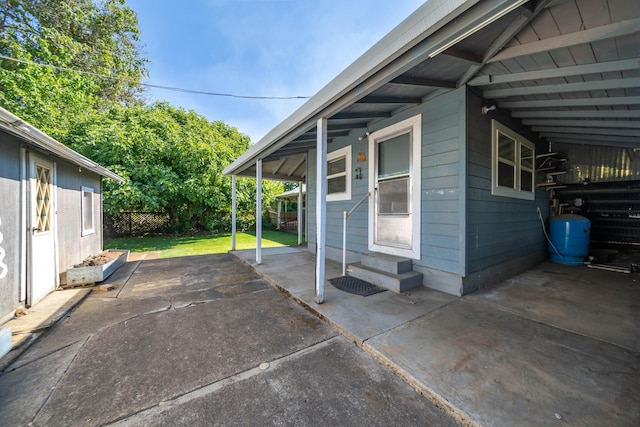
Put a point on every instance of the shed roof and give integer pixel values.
(33, 136)
(292, 194)
(567, 68)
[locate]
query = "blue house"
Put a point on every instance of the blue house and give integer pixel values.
(458, 132)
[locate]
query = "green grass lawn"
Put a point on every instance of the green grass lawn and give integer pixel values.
(176, 246)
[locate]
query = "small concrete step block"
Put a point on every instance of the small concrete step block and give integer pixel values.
(394, 282)
(5, 341)
(387, 263)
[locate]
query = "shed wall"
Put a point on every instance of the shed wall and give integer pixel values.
(9, 224)
(73, 246)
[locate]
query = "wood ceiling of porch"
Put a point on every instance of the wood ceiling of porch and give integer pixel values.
(567, 68)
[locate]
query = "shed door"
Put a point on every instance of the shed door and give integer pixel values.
(42, 266)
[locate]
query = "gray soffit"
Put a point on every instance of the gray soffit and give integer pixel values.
(569, 69)
(36, 138)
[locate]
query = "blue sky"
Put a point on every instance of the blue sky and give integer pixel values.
(258, 48)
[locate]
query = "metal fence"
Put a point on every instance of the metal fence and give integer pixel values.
(127, 224)
(135, 223)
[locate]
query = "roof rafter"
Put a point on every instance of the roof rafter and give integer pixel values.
(599, 143)
(563, 88)
(578, 102)
(360, 115)
(297, 165)
(505, 37)
(390, 100)
(603, 32)
(600, 114)
(618, 124)
(598, 138)
(465, 56)
(279, 166)
(587, 131)
(419, 81)
(575, 70)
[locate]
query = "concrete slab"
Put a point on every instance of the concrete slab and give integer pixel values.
(135, 364)
(501, 369)
(297, 390)
(199, 338)
(26, 329)
(23, 391)
(89, 318)
(361, 318)
(595, 303)
(177, 276)
(357, 317)
(48, 311)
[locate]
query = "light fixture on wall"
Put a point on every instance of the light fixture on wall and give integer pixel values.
(485, 109)
(365, 136)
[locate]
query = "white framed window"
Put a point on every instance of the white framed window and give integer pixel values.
(339, 174)
(87, 211)
(513, 163)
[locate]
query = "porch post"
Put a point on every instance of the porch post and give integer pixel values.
(321, 207)
(279, 214)
(233, 212)
(299, 213)
(259, 212)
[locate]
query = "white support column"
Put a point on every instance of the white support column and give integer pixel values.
(233, 212)
(321, 206)
(279, 215)
(259, 212)
(299, 213)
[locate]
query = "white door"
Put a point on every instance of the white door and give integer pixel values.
(394, 179)
(42, 264)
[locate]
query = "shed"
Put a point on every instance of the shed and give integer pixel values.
(459, 130)
(50, 215)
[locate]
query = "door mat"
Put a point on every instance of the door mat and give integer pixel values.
(355, 286)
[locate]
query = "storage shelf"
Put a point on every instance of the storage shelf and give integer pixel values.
(612, 207)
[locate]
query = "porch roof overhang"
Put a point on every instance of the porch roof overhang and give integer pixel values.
(567, 68)
(31, 135)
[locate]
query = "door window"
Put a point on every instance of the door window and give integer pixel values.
(43, 199)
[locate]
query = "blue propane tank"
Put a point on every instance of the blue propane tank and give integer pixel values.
(569, 235)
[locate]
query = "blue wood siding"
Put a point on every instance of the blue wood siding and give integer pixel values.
(499, 229)
(357, 225)
(464, 228)
(442, 186)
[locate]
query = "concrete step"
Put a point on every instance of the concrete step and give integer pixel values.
(394, 282)
(387, 263)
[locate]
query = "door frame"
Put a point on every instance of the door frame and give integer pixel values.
(413, 126)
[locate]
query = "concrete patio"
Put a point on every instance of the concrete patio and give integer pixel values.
(557, 345)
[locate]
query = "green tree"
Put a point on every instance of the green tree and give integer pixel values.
(171, 159)
(93, 39)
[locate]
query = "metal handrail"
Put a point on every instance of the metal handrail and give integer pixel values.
(344, 231)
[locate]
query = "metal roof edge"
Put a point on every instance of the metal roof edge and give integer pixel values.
(427, 19)
(34, 136)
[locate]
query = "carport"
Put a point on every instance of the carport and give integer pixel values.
(566, 70)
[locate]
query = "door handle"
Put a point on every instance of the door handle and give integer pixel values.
(34, 229)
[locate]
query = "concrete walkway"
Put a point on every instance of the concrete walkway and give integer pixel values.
(554, 346)
(200, 340)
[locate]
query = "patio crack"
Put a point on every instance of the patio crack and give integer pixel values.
(139, 417)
